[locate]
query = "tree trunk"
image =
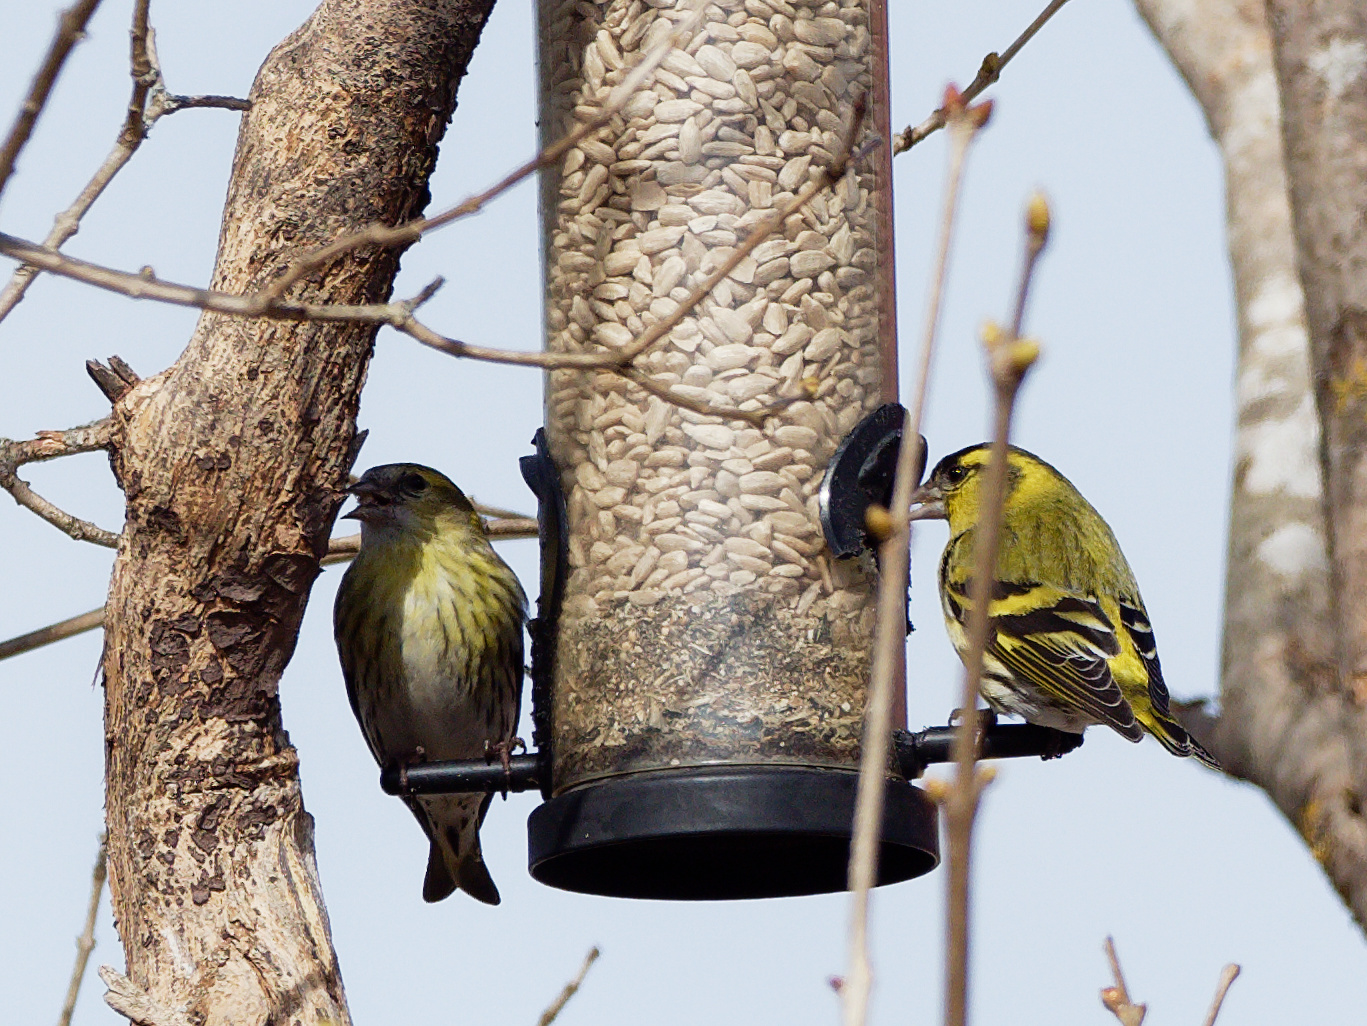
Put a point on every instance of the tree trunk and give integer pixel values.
(233, 463)
(1320, 50)
(1285, 723)
(1320, 53)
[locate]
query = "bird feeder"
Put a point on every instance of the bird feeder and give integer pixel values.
(712, 652)
(703, 642)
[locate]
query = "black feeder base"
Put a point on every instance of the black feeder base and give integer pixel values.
(722, 833)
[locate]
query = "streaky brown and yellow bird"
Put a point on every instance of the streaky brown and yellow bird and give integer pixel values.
(428, 623)
(1069, 641)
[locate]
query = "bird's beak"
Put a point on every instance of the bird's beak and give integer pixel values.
(928, 503)
(367, 504)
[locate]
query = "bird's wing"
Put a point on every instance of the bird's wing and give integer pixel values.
(1060, 642)
(358, 659)
(1135, 622)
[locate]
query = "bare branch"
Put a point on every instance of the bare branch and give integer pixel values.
(463, 350)
(174, 102)
(1117, 998)
(146, 285)
(149, 101)
(114, 380)
(988, 73)
(81, 530)
(1009, 360)
(1228, 975)
(399, 315)
(890, 639)
(85, 943)
(383, 235)
(55, 632)
(70, 31)
(503, 526)
(51, 445)
(1036, 236)
(571, 988)
(270, 302)
(47, 446)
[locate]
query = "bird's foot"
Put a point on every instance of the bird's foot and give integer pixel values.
(504, 750)
(986, 720)
(1061, 742)
(418, 757)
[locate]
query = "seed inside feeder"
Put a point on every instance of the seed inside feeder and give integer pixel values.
(704, 620)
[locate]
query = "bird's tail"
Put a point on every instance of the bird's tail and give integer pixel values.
(455, 859)
(1174, 737)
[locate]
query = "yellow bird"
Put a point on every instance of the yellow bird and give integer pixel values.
(428, 622)
(1069, 642)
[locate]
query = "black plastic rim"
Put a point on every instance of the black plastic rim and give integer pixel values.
(722, 833)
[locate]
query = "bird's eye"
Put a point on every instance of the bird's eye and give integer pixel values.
(413, 484)
(956, 473)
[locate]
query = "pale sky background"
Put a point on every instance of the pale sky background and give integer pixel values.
(1132, 401)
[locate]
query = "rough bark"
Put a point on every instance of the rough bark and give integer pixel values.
(1320, 50)
(1320, 53)
(232, 463)
(1285, 724)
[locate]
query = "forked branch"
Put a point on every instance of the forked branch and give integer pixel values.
(51, 445)
(988, 72)
(148, 102)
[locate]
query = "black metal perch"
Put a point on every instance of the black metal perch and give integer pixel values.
(729, 826)
(915, 751)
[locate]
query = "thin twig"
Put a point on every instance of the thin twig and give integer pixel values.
(70, 30)
(465, 351)
(1036, 236)
(404, 234)
(989, 71)
(85, 943)
(570, 989)
(149, 101)
(399, 314)
(75, 527)
(1117, 998)
(891, 622)
(50, 445)
(52, 633)
(174, 102)
(1009, 360)
(270, 302)
(1228, 975)
(503, 526)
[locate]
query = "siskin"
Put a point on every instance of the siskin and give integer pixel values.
(428, 623)
(1069, 643)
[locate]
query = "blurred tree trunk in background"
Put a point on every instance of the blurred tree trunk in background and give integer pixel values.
(233, 463)
(1294, 676)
